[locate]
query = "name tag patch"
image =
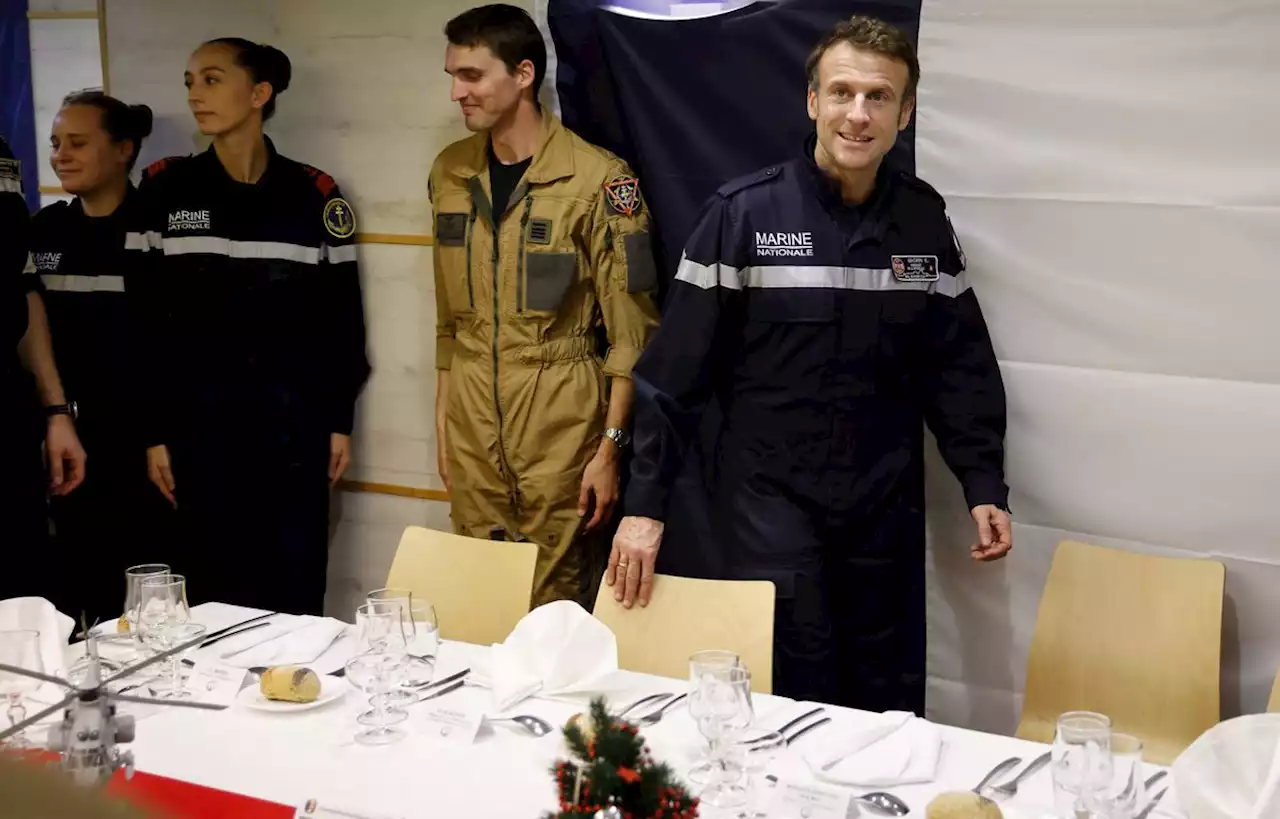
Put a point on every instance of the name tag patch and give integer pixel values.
(915, 268)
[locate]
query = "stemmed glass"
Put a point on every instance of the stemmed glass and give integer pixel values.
(720, 701)
(162, 607)
(701, 662)
(171, 638)
(1081, 764)
(373, 673)
(381, 629)
(20, 649)
(424, 644)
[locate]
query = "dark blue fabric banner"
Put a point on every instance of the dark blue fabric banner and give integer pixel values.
(17, 108)
(692, 104)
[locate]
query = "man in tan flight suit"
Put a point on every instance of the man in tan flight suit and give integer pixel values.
(540, 239)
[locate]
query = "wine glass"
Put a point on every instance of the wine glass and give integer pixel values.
(424, 644)
(758, 756)
(381, 630)
(162, 606)
(374, 674)
(721, 703)
(701, 662)
(1081, 764)
(171, 638)
(20, 649)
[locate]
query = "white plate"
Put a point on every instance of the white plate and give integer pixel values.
(331, 688)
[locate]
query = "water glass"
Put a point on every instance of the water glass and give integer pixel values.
(1081, 765)
(20, 649)
(381, 628)
(424, 645)
(758, 756)
(720, 702)
(374, 674)
(1124, 793)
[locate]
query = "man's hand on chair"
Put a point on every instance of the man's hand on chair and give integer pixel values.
(635, 550)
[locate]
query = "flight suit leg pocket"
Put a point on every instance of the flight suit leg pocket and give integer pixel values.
(548, 276)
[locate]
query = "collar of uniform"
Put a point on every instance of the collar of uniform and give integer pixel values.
(873, 216)
(552, 160)
(211, 158)
(77, 206)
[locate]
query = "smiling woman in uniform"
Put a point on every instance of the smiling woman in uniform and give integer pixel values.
(114, 520)
(252, 296)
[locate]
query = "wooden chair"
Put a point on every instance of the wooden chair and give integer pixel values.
(685, 615)
(1135, 637)
(1273, 704)
(480, 588)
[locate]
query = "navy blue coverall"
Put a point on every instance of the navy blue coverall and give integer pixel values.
(829, 334)
(255, 335)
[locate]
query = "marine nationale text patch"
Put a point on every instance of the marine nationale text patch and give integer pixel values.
(339, 219)
(915, 268)
(623, 195)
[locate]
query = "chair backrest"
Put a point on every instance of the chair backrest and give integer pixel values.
(686, 615)
(480, 588)
(1273, 704)
(1135, 637)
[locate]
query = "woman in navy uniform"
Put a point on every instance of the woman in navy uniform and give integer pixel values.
(115, 519)
(248, 277)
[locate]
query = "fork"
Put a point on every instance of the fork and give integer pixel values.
(1010, 788)
(653, 718)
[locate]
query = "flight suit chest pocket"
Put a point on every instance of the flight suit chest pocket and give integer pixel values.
(548, 276)
(452, 237)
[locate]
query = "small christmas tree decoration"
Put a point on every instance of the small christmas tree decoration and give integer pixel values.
(612, 775)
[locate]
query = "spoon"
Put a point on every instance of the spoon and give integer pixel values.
(537, 726)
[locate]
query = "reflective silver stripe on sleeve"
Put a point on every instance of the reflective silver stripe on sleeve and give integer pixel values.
(217, 246)
(30, 266)
(708, 276)
(340, 254)
(10, 185)
(72, 283)
(848, 278)
(142, 241)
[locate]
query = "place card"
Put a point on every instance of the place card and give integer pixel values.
(215, 683)
(811, 801)
(453, 722)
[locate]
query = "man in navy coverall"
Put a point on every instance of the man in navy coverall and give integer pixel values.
(824, 301)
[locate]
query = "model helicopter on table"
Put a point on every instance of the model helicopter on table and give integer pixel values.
(91, 732)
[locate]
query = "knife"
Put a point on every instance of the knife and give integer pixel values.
(806, 730)
(209, 638)
(783, 729)
(210, 641)
(449, 679)
(440, 693)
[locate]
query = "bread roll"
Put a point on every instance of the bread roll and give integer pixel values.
(290, 683)
(963, 805)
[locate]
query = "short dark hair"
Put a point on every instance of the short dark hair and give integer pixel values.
(119, 120)
(509, 32)
(265, 64)
(868, 34)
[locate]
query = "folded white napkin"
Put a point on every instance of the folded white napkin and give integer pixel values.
(285, 640)
(555, 649)
(39, 614)
(874, 750)
(1232, 771)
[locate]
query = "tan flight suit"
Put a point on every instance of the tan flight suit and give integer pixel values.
(517, 322)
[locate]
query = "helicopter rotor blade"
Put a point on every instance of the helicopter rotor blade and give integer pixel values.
(36, 675)
(152, 660)
(206, 706)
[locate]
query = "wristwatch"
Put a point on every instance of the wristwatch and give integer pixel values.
(620, 437)
(69, 409)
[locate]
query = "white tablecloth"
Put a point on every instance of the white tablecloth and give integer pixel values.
(289, 758)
